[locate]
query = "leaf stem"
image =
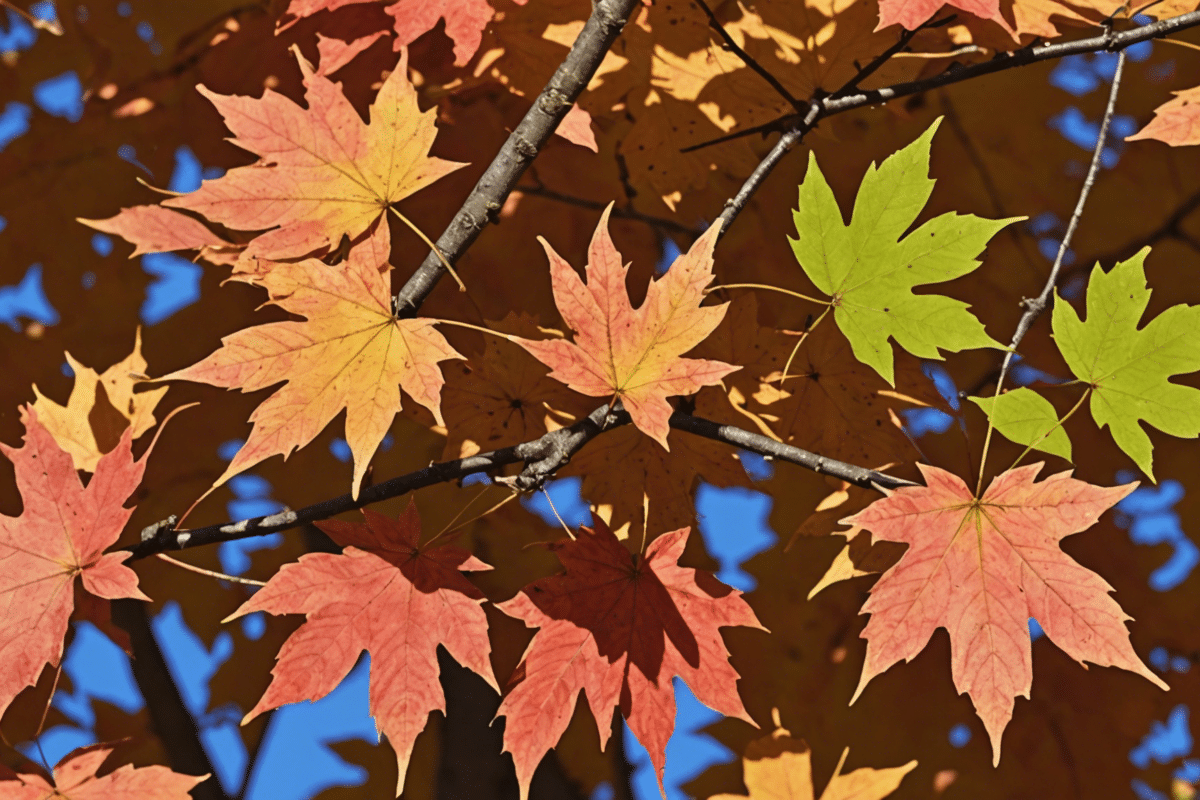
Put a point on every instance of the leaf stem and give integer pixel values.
(462, 287)
(1053, 427)
(800, 341)
(788, 292)
(210, 573)
(471, 327)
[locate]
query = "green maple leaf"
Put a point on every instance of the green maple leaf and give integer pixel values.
(870, 275)
(1128, 369)
(1025, 417)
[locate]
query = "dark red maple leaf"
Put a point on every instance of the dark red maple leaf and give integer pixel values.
(619, 627)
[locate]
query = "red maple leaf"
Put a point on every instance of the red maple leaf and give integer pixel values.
(61, 533)
(75, 778)
(627, 353)
(982, 569)
(620, 627)
(387, 595)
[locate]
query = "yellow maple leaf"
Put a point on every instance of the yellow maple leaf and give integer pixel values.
(349, 352)
(778, 767)
(324, 173)
(87, 427)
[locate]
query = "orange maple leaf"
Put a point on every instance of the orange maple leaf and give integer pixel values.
(350, 352)
(634, 355)
(61, 533)
(619, 627)
(1176, 122)
(75, 778)
(982, 569)
(389, 596)
(324, 173)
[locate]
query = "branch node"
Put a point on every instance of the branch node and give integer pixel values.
(151, 531)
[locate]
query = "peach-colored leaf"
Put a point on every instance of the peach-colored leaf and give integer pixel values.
(633, 354)
(1176, 122)
(349, 352)
(335, 53)
(576, 128)
(61, 533)
(910, 14)
(75, 778)
(324, 173)
(982, 569)
(154, 229)
(619, 627)
(391, 597)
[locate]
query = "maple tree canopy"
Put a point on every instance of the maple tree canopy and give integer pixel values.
(733, 352)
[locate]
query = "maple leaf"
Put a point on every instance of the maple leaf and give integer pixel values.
(324, 173)
(1025, 417)
(75, 778)
(576, 127)
(87, 426)
(465, 20)
(870, 277)
(61, 534)
(1176, 122)
(387, 595)
(333, 54)
(1127, 370)
(350, 352)
(628, 354)
(778, 767)
(500, 396)
(982, 569)
(911, 14)
(619, 627)
(154, 229)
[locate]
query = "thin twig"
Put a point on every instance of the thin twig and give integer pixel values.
(838, 103)
(522, 146)
(881, 59)
(1034, 307)
(543, 458)
(749, 60)
(691, 234)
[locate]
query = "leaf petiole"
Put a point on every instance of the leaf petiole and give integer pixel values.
(462, 287)
(1053, 428)
(769, 288)
(799, 342)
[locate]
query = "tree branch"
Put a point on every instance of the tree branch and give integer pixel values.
(169, 717)
(749, 61)
(662, 223)
(1034, 307)
(523, 144)
(838, 103)
(543, 458)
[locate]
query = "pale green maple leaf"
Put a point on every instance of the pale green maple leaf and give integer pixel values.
(870, 275)
(1025, 417)
(1128, 369)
